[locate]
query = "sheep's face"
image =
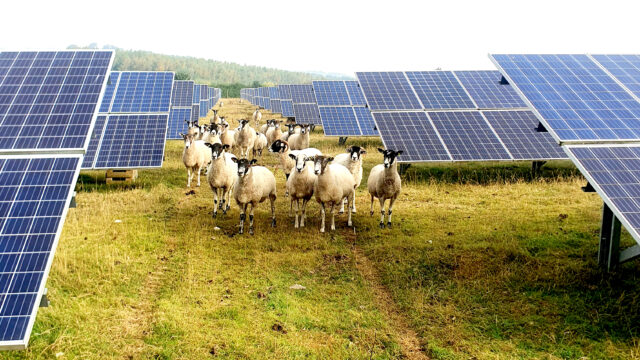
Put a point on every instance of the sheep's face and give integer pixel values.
(243, 122)
(217, 150)
(271, 123)
(300, 161)
(356, 152)
(292, 128)
(389, 156)
(188, 140)
(304, 129)
(214, 129)
(278, 146)
(244, 165)
(320, 164)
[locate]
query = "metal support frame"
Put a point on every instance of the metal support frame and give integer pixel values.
(588, 188)
(342, 140)
(609, 250)
(44, 300)
(403, 167)
(536, 165)
(73, 204)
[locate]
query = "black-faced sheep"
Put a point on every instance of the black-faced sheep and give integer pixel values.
(384, 183)
(333, 184)
(352, 160)
(195, 156)
(221, 176)
(254, 184)
(300, 185)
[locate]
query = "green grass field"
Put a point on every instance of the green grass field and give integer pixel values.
(484, 262)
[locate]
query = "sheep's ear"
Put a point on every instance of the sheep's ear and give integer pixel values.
(349, 149)
(234, 160)
(363, 151)
(330, 159)
(225, 147)
(183, 135)
(399, 152)
(257, 133)
(209, 145)
(292, 156)
(253, 161)
(380, 150)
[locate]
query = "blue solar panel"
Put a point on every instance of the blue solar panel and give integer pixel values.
(331, 93)
(195, 113)
(143, 145)
(625, 68)
(467, 136)
(109, 91)
(487, 92)
(365, 120)
(145, 91)
(517, 131)
(177, 123)
(48, 100)
(203, 92)
(355, 93)
(302, 94)
(412, 133)
(339, 121)
(204, 108)
(306, 113)
(276, 106)
(94, 142)
(196, 94)
(285, 92)
(614, 172)
(388, 91)
(273, 92)
(573, 96)
(439, 90)
(182, 93)
(34, 198)
(287, 108)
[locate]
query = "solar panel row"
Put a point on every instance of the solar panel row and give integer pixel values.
(342, 109)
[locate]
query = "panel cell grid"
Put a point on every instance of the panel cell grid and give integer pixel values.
(388, 91)
(439, 90)
(287, 108)
(94, 141)
(339, 121)
(365, 120)
(276, 106)
(355, 93)
(143, 92)
(177, 122)
(331, 93)
(306, 113)
(412, 133)
(625, 68)
(302, 94)
(182, 93)
(487, 92)
(285, 92)
(109, 91)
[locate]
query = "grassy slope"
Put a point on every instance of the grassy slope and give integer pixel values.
(484, 261)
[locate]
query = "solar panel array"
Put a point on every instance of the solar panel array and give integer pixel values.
(305, 108)
(122, 139)
(48, 103)
(342, 109)
(472, 114)
(181, 108)
(204, 100)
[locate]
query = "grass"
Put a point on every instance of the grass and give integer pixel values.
(484, 261)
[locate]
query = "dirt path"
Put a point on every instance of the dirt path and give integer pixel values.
(407, 338)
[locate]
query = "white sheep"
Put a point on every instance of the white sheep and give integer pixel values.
(257, 117)
(352, 160)
(384, 183)
(265, 127)
(227, 137)
(192, 127)
(300, 185)
(334, 183)
(274, 133)
(259, 144)
(291, 129)
(282, 149)
(300, 141)
(216, 118)
(221, 175)
(195, 156)
(254, 184)
(246, 138)
(213, 136)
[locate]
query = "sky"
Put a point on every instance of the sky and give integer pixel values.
(329, 36)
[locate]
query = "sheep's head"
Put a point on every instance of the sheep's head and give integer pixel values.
(277, 123)
(271, 123)
(279, 146)
(291, 127)
(320, 163)
(214, 129)
(217, 150)
(244, 165)
(389, 156)
(355, 152)
(188, 139)
(304, 128)
(300, 160)
(243, 122)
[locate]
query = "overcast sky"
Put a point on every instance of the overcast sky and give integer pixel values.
(332, 36)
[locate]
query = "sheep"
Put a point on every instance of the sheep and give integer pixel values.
(221, 175)
(384, 183)
(227, 137)
(203, 132)
(192, 127)
(213, 134)
(334, 183)
(300, 185)
(274, 133)
(246, 138)
(265, 127)
(282, 148)
(194, 156)
(291, 129)
(257, 117)
(254, 184)
(216, 118)
(301, 140)
(352, 160)
(259, 144)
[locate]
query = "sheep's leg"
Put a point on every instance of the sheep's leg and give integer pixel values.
(229, 192)
(296, 224)
(353, 202)
(349, 210)
(291, 207)
(253, 206)
(322, 212)
(215, 202)
(188, 177)
(371, 211)
(272, 198)
(381, 212)
(342, 205)
(224, 199)
(303, 213)
(199, 170)
(243, 211)
(333, 216)
(391, 201)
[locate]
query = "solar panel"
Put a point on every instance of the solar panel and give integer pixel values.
(143, 92)
(516, 129)
(182, 93)
(48, 100)
(273, 93)
(339, 121)
(306, 113)
(485, 89)
(181, 107)
(285, 92)
(439, 90)
(177, 122)
(388, 91)
(94, 142)
(204, 108)
(355, 93)
(195, 113)
(141, 146)
(365, 121)
(276, 106)
(396, 129)
(196, 94)
(204, 92)
(302, 94)
(573, 96)
(105, 105)
(287, 108)
(625, 68)
(468, 136)
(34, 199)
(331, 93)
(614, 172)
